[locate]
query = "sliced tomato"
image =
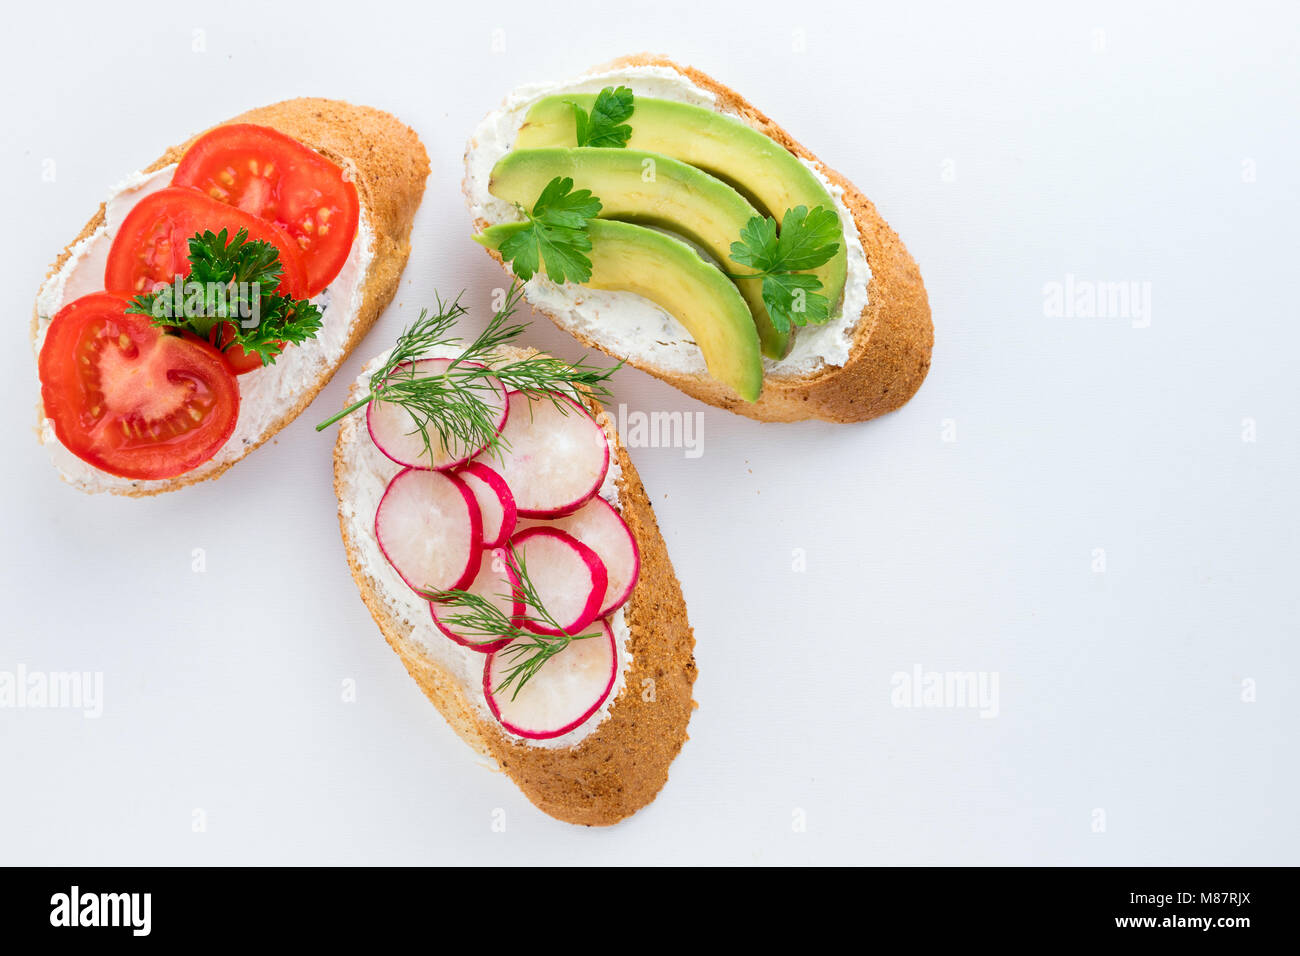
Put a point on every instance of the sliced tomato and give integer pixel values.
(273, 176)
(129, 398)
(152, 246)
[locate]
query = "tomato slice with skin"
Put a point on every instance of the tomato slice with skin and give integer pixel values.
(152, 246)
(273, 176)
(128, 397)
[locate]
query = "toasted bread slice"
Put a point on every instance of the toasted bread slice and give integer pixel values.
(622, 761)
(891, 341)
(390, 166)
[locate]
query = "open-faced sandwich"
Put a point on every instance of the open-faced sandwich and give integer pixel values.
(656, 215)
(216, 291)
(507, 550)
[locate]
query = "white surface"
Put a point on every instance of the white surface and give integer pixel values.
(1120, 690)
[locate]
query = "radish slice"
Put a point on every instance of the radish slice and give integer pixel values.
(554, 458)
(495, 502)
(495, 581)
(568, 577)
(562, 695)
(394, 433)
(429, 529)
(599, 526)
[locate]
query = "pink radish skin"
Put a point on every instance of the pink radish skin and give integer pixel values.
(496, 581)
(495, 502)
(599, 526)
(392, 429)
(429, 529)
(569, 578)
(562, 695)
(554, 461)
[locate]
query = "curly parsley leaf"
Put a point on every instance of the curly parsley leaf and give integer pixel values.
(807, 239)
(556, 234)
(607, 124)
(233, 284)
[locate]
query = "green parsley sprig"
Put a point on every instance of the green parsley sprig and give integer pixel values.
(806, 240)
(232, 279)
(480, 621)
(456, 405)
(556, 234)
(607, 123)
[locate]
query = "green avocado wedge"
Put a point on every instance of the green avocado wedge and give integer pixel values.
(760, 168)
(630, 258)
(650, 189)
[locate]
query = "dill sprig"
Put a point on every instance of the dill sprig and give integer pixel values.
(456, 404)
(480, 621)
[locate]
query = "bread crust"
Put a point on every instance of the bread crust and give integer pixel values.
(890, 354)
(389, 165)
(621, 765)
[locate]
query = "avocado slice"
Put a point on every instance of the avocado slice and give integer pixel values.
(654, 190)
(760, 168)
(668, 272)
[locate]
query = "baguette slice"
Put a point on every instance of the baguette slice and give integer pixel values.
(620, 765)
(390, 167)
(890, 352)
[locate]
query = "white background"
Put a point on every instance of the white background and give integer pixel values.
(1009, 147)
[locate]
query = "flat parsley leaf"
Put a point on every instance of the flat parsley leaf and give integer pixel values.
(607, 124)
(233, 283)
(807, 239)
(556, 234)
(792, 298)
